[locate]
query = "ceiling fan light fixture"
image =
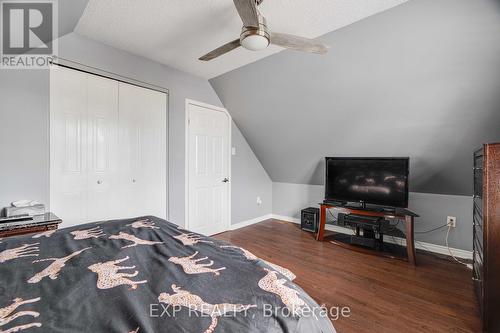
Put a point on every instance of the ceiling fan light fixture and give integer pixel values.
(255, 42)
(256, 36)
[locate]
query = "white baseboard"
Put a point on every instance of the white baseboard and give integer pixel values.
(440, 249)
(285, 218)
(250, 222)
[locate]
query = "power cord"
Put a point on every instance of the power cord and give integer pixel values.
(395, 226)
(426, 232)
(334, 219)
(469, 266)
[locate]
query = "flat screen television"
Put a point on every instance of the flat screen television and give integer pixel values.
(376, 180)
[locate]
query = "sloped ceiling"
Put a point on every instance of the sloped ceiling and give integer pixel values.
(70, 12)
(420, 80)
(177, 32)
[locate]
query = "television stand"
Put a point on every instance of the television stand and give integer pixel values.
(368, 209)
(397, 214)
(362, 206)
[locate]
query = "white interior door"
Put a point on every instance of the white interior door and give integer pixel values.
(143, 151)
(208, 164)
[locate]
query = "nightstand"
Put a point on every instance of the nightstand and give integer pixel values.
(40, 223)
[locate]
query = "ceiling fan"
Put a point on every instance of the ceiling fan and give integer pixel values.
(255, 35)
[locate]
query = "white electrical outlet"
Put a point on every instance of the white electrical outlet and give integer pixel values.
(259, 201)
(451, 221)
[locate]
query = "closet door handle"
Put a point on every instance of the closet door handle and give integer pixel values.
(99, 182)
(133, 180)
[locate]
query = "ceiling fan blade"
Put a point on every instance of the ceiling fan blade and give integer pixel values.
(298, 43)
(221, 50)
(247, 9)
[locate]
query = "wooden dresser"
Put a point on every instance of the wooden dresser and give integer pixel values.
(486, 215)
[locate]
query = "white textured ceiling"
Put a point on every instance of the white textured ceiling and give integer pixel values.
(178, 32)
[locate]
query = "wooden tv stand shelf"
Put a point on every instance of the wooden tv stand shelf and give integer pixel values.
(398, 214)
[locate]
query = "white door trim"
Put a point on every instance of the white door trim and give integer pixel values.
(186, 162)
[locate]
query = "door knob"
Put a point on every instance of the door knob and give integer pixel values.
(99, 182)
(226, 180)
(133, 180)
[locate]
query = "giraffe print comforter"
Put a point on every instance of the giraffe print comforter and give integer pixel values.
(145, 275)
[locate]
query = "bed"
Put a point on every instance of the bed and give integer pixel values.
(146, 275)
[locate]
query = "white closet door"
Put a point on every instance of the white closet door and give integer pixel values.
(102, 139)
(143, 151)
(108, 149)
(68, 142)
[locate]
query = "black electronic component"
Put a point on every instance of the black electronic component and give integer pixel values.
(309, 219)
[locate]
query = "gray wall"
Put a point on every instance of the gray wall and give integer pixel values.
(24, 112)
(250, 181)
(24, 126)
(419, 80)
(289, 199)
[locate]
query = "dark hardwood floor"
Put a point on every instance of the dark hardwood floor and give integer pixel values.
(384, 295)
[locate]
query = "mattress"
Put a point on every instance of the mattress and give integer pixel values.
(146, 275)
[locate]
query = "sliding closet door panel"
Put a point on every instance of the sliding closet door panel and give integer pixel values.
(130, 133)
(68, 145)
(142, 151)
(154, 150)
(102, 134)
